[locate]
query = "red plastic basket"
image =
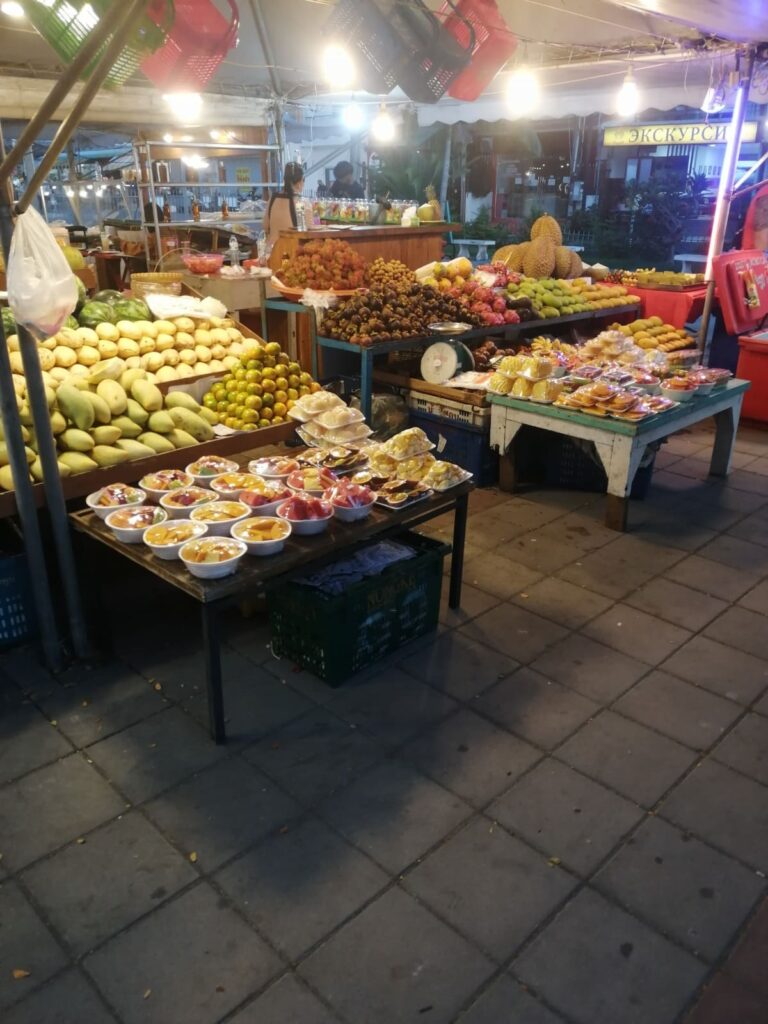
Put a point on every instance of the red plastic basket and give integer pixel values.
(494, 43)
(199, 41)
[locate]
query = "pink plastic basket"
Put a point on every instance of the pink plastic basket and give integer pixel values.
(198, 42)
(494, 44)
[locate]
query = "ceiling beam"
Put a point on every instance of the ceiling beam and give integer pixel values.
(266, 46)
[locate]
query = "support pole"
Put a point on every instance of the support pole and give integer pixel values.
(446, 167)
(725, 194)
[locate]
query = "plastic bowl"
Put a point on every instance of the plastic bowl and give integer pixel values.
(262, 510)
(228, 493)
(273, 468)
(221, 528)
(352, 515)
(304, 527)
(676, 395)
(102, 511)
(214, 570)
(203, 479)
(171, 551)
(706, 388)
(261, 547)
(134, 534)
(183, 511)
(156, 493)
(203, 262)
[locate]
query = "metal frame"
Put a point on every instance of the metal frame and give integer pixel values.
(108, 38)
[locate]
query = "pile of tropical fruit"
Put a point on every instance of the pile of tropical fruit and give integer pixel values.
(544, 255)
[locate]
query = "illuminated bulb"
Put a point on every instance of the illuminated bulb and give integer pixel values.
(83, 194)
(353, 117)
(523, 90)
(383, 127)
(168, 138)
(69, 192)
(12, 9)
(195, 161)
(628, 98)
(338, 67)
(185, 106)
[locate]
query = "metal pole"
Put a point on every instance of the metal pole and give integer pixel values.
(95, 40)
(50, 641)
(725, 194)
(446, 167)
(124, 24)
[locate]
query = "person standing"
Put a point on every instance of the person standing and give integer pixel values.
(281, 212)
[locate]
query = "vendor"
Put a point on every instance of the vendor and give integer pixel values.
(755, 235)
(281, 213)
(344, 185)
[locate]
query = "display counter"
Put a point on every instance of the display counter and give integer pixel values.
(412, 246)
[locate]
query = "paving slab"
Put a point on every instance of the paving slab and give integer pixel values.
(68, 997)
(609, 966)
(620, 566)
(473, 603)
(91, 890)
(742, 629)
(757, 598)
(498, 575)
(482, 869)
(725, 999)
(52, 806)
(566, 815)
(711, 803)
(28, 740)
(541, 551)
(682, 886)
(470, 756)
(676, 604)
(719, 668)
(737, 554)
(459, 666)
(686, 713)
(155, 754)
(747, 962)
(565, 603)
(414, 966)
(712, 577)
(394, 814)
(315, 755)
(221, 811)
(194, 959)
(514, 631)
(536, 708)
(636, 633)
(506, 1001)
(285, 1002)
(745, 748)
(590, 668)
(301, 884)
(637, 762)
(25, 945)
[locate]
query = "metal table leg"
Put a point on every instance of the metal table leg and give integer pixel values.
(457, 558)
(212, 654)
(366, 382)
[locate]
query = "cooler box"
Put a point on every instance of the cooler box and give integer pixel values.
(753, 366)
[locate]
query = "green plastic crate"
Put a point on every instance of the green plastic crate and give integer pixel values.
(336, 636)
(65, 25)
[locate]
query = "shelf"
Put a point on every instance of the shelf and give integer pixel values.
(217, 224)
(240, 147)
(212, 184)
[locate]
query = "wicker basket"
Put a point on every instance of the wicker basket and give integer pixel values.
(157, 282)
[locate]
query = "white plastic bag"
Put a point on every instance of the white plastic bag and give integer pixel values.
(42, 291)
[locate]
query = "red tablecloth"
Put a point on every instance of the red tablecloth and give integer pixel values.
(676, 308)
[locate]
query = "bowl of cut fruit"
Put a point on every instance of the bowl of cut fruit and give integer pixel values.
(178, 503)
(129, 524)
(229, 485)
(264, 497)
(165, 480)
(312, 480)
(306, 514)
(209, 558)
(679, 389)
(218, 516)
(107, 499)
(273, 467)
(264, 535)
(209, 466)
(350, 501)
(165, 539)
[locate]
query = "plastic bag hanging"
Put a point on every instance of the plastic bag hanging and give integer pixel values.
(42, 290)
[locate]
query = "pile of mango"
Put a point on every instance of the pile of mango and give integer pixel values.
(113, 415)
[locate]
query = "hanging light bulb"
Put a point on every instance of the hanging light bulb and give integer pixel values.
(83, 194)
(338, 67)
(12, 9)
(628, 98)
(353, 117)
(382, 126)
(168, 138)
(523, 90)
(185, 106)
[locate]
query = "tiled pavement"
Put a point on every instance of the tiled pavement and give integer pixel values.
(554, 811)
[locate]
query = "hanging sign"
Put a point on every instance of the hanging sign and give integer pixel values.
(242, 174)
(675, 134)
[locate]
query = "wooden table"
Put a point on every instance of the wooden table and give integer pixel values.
(256, 575)
(414, 247)
(621, 445)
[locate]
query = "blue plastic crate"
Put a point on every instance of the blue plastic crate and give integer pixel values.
(15, 601)
(466, 445)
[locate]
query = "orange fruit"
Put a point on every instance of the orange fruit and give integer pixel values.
(281, 396)
(279, 409)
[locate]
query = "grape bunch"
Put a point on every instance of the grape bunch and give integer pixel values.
(326, 264)
(387, 313)
(390, 273)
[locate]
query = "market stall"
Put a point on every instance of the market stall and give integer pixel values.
(413, 246)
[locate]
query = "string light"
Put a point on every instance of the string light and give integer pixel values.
(523, 91)
(628, 98)
(338, 67)
(382, 126)
(353, 117)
